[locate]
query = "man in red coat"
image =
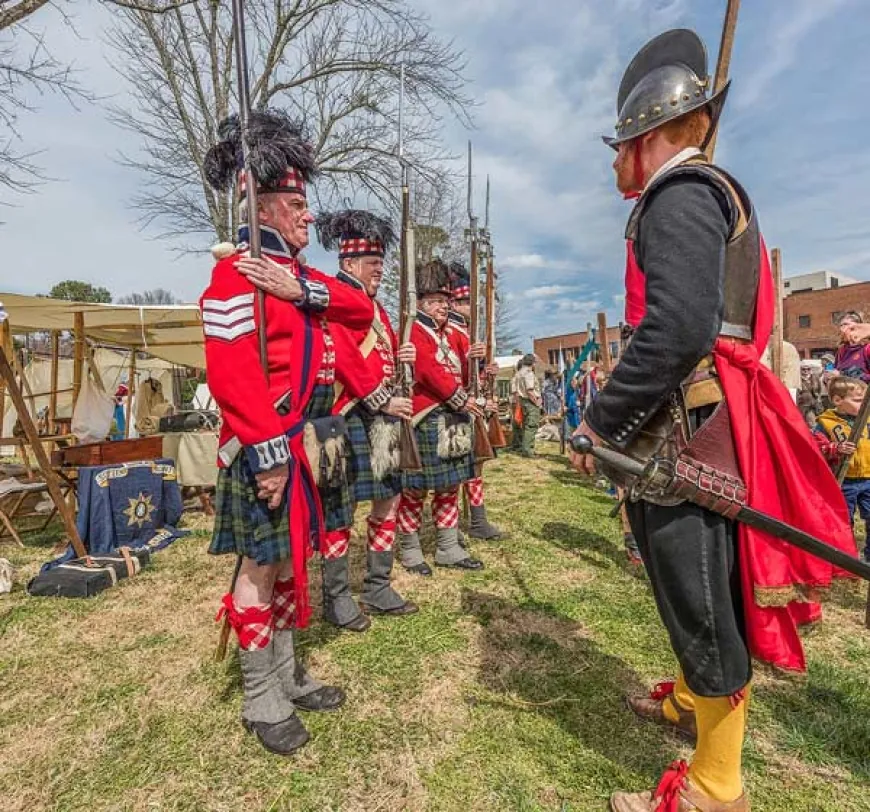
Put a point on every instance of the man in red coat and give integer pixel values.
(443, 428)
(362, 240)
(458, 318)
(699, 295)
(267, 506)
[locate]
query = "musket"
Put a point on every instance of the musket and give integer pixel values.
(661, 475)
(495, 431)
(409, 453)
(482, 447)
(253, 237)
(855, 434)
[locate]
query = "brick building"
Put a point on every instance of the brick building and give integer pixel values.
(547, 348)
(810, 317)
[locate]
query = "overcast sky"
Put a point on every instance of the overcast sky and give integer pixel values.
(545, 74)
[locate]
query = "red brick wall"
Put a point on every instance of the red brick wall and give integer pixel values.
(820, 305)
(543, 347)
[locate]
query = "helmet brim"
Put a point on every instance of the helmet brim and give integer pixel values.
(716, 102)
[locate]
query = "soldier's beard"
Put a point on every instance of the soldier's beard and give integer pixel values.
(625, 167)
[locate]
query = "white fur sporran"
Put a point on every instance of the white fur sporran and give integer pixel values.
(384, 441)
(454, 437)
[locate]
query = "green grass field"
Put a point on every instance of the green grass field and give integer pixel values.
(504, 693)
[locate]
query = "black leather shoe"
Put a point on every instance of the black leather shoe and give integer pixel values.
(407, 608)
(465, 564)
(327, 698)
(281, 738)
(359, 624)
(420, 569)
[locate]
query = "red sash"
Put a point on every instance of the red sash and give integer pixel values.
(786, 477)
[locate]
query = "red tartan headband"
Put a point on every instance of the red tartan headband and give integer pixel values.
(461, 292)
(360, 248)
(292, 181)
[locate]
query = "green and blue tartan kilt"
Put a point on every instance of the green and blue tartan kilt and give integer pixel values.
(337, 501)
(365, 487)
(243, 524)
(437, 474)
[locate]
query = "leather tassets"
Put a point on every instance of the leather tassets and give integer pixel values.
(690, 448)
(706, 472)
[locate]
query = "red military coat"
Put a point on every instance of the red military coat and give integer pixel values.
(438, 375)
(263, 419)
(371, 351)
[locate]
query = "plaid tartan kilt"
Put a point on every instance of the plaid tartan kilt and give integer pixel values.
(365, 487)
(244, 525)
(437, 474)
(337, 501)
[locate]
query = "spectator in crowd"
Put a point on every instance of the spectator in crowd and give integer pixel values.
(529, 394)
(853, 355)
(551, 393)
(832, 434)
(516, 411)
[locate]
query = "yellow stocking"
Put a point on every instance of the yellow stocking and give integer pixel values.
(715, 769)
(682, 696)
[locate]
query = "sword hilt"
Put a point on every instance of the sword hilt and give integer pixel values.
(583, 445)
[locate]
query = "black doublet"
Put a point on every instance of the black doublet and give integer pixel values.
(689, 553)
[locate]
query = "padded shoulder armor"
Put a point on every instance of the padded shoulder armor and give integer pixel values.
(743, 252)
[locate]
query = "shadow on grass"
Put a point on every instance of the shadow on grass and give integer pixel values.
(826, 719)
(589, 547)
(535, 660)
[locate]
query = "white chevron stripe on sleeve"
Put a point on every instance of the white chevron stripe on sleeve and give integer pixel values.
(229, 333)
(230, 317)
(228, 304)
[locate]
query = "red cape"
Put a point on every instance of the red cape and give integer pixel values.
(787, 478)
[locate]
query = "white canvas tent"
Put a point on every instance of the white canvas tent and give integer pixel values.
(170, 332)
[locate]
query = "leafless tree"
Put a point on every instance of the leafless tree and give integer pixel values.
(333, 63)
(28, 70)
(157, 296)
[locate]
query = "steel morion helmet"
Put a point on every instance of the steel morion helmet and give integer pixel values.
(666, 79)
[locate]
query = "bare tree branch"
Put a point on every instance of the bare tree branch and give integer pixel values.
(333, 64)
(149, 7)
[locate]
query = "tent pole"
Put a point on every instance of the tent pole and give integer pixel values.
(78, 354)
(67, 515)
(5, 340)
(52, 399)
(131, 390)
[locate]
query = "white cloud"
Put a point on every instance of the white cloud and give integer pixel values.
(546, 76)
(549, 291)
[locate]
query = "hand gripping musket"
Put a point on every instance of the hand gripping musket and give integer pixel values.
(254, 237)
(482, 447)
(665, 476)
(409, 453)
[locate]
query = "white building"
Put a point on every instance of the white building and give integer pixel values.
(818, 280)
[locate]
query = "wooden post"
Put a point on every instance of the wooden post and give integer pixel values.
(603, 342)
(776, 336)
(5, 341)
(78, 354)
(131, 389)
(52, 398)
(66, 514)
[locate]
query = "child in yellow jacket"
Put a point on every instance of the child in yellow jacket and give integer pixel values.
(832, 431)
